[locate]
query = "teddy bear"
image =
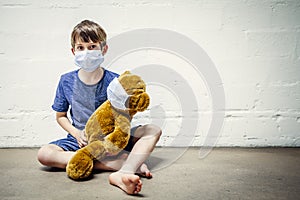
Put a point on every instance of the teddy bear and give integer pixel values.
(108, 128)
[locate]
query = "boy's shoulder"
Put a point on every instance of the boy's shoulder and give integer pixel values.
(70, 74)
(110, 74)
(69, 77)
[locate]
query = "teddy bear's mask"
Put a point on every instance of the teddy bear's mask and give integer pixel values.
(116, 94)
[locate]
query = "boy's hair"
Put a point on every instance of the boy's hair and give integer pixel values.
(88, 31)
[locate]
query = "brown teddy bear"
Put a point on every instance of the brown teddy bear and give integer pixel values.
(108, 129)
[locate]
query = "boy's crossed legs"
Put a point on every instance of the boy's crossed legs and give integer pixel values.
(124, 166)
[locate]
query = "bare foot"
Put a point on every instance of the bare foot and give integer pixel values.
(129, 183)
(143, 171)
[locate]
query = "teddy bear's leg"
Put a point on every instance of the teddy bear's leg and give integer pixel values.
(81, 164)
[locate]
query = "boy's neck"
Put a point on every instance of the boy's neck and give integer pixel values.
(91, 78)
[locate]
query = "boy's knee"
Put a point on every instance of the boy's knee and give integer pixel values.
(152, 130)
(44, 155)
(41, 155)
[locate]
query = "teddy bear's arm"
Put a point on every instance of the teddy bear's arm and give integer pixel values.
(118, 139)
(100, 124)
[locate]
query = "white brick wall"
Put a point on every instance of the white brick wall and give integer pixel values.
(255, 46)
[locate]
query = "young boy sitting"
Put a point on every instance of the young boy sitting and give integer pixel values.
(83, 91)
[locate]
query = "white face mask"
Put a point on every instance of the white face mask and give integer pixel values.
(89, 60)
(116, 94)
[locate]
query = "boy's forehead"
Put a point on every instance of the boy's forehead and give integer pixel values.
(79, 40)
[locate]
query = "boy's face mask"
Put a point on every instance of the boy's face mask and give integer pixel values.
(89, 60)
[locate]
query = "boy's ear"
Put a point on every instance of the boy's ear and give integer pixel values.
(105, 48)
(73, 51)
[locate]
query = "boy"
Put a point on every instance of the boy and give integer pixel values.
(83, 91)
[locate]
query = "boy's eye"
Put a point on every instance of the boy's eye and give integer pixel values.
(92, 47)
(80, 48)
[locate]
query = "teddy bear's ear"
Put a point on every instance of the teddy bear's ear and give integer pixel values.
(126, 72)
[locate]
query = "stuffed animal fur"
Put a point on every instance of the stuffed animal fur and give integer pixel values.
(108, 129)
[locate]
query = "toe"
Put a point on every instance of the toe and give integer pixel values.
(129, 183)
(144, 171)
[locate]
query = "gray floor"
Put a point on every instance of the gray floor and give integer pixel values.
(226, 173)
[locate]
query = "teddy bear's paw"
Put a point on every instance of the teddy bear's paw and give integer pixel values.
(80, 166)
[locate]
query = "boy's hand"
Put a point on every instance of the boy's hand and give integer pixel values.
(81, 139)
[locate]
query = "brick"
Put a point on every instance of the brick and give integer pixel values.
(245, 15)
(202, 18)
(285, 14)
(153, 16)
(271, 43)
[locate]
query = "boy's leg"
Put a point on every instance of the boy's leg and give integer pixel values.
(54, 156)
(125, 178)
(59, 152)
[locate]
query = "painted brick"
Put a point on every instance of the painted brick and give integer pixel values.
(255, 46)
(271, 44)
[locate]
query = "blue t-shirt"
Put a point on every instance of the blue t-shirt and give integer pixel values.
(82, 99)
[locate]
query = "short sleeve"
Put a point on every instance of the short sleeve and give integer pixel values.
(101, 93)
(60, 102)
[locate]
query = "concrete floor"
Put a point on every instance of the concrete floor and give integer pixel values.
(226, 173)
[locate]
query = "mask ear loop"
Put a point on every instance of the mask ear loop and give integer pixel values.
(127, 101)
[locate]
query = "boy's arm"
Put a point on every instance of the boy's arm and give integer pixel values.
(63, 120)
